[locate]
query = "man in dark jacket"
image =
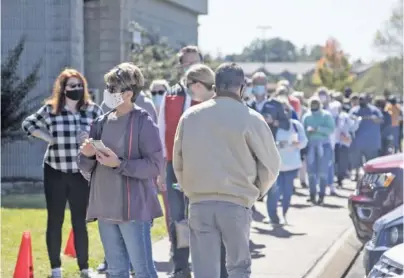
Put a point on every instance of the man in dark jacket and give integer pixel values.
(271, 109)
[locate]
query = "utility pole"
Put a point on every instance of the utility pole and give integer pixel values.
(264, 29)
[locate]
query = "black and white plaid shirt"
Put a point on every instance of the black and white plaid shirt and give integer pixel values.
(64, 128)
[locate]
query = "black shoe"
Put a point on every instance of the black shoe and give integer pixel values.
(185, 273)
(339, 182)
(320, 200)
(312, 199)
(303, 185)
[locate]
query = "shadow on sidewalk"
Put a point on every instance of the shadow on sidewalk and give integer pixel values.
(300, 194)
(254, 250)
(257, 216)
(300, 206)
(278, 231)
(331, 206)
(163, 266)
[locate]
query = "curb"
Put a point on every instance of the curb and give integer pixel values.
(336, 260)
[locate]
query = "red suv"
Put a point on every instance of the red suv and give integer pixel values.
(378, 191)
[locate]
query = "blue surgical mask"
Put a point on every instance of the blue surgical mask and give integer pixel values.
(259, 90)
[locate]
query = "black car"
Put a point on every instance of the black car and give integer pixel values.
(387, 233)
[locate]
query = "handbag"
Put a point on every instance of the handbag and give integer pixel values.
(182, 232)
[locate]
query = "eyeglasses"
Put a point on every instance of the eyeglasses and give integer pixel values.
(114, 90)
(76, 85)
(191, 83)
(160, 92)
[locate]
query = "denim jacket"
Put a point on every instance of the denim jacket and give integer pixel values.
(142, 162)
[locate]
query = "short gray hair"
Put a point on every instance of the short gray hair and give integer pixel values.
(229, 76)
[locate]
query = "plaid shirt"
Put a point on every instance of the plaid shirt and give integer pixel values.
(64, 128)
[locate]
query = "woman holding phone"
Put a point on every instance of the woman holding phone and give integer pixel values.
(122, 175)
(61, 122)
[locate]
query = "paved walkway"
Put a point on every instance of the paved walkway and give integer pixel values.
(289, 251)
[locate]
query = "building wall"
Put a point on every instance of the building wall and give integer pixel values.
(52, 30)
(108, 40)
(90, 36)
(102, 36)
(179, 25)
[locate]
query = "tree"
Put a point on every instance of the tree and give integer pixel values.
(270, 50)
(389, 40)
(333, 70)
(14, 94)
(276, 50)
(158, 60)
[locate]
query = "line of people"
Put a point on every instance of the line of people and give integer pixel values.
(215, 144)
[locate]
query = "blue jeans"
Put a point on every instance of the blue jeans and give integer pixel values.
(319, 159)
(283, 186)
(331, 169)
(395, 130)
(357, 154)
(127, 243)
(176, 203)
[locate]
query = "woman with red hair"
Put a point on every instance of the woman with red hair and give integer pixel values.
(62, 122)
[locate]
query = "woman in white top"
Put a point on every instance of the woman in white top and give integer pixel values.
(289, 143)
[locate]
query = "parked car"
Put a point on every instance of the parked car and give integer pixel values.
(387, 233)
(378, 191)
(391, 264)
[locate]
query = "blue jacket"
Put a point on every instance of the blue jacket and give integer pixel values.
(368, 135)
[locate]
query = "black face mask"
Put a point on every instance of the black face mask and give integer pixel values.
(75, 94)
(314, 109)
(393, 102)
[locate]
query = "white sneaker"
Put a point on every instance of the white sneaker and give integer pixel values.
(87, 273)
(56, 273)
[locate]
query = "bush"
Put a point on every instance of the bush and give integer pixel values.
(14, 94)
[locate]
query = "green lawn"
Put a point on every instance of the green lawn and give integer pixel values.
(21, 213)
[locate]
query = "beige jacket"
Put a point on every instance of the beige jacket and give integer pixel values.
(224, 151)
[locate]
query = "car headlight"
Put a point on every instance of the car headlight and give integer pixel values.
(396, 235)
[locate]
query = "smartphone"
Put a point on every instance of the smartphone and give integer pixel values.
(99, 145)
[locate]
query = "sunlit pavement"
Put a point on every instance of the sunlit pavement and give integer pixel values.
(288, 251)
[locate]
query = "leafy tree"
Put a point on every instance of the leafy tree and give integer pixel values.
(158, 60)
(14, 94)
(333, 70)
(389, 40)
(271, 50)
(276, 50)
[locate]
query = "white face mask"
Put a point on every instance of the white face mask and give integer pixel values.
(157, 100)
(112, 100)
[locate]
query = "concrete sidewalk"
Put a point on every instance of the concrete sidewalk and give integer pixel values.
(289, 251)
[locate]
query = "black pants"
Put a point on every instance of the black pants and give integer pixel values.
(61, 187)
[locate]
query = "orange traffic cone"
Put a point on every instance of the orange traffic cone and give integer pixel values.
(70, 250)
(24, 267)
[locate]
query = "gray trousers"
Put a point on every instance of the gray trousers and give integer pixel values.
(212, 222)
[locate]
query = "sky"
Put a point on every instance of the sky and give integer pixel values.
(232, 24)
